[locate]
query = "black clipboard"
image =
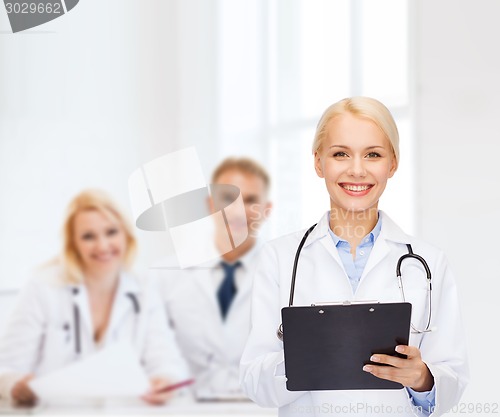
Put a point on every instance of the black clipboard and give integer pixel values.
(326, 346)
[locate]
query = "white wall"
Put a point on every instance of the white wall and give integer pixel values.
(129, 90)
(85, 100)
(458, 143)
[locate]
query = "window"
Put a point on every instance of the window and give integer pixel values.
(281, 63)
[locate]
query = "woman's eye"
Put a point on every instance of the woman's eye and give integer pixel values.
(112, 232)
(373, 155)
(339, 154)
(88, 236)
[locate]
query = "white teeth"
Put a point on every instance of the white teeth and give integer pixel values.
(104, 257)
(356, 187)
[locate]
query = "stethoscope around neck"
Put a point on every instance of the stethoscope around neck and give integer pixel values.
(77, 319)
(409, 255)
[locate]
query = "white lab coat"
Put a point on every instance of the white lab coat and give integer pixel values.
(321, 278)
(40, 335)
(212, 346)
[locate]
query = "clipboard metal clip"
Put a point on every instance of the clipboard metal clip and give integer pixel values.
(344, 303)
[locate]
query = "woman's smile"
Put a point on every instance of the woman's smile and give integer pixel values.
(357, 190)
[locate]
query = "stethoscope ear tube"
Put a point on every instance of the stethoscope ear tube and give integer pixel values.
(76, 320)
(412, 255)
(135, 302)
(296, 262)
(279, 332)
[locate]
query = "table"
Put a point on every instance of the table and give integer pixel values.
(177, 408)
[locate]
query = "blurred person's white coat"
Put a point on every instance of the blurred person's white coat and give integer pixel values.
(211, 345)
(40, 335)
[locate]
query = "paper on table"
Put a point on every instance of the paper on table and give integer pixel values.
(114, 371)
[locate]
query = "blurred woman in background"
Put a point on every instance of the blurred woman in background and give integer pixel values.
(85, 301)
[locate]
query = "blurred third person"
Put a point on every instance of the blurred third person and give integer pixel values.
(85, 301)
(209, 305)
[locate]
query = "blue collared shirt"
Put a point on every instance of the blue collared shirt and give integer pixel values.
(354, 269)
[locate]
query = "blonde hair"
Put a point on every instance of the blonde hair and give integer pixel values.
(364, 107)
(244, 165)
(91, 200)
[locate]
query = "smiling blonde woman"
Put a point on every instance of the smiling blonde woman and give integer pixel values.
(86, 301)
(351, 254)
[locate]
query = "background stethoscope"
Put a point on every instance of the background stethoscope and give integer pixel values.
(76, 316)
(410, 254)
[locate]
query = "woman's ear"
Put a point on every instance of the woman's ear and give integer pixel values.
(210, 205)
(394, 166)
(317, 164)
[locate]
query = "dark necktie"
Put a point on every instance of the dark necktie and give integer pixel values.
(227, 289)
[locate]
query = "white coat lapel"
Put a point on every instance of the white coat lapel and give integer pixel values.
(123, 303)
(246, 269)
(320, 236)
(81, 300)
(329, 245)
(203, 279)
(320, 232)
(210, 338)
(389, 232)
(379, 252)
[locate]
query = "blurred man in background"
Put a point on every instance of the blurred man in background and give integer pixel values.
(209, 304)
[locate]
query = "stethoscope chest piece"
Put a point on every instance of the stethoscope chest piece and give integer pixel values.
(279, 332)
